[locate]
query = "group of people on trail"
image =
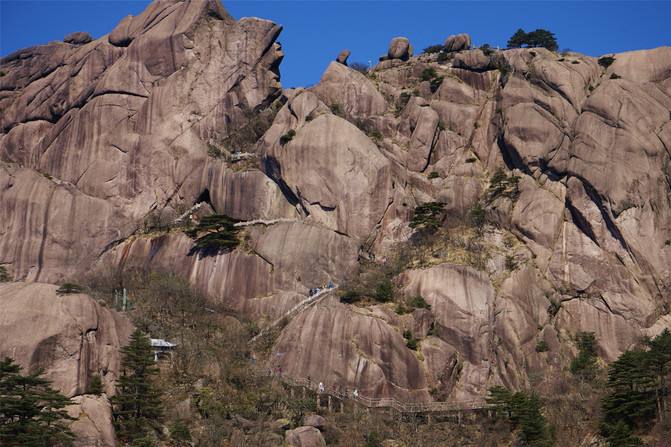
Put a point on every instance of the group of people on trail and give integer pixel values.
(315, 290)
(321, 389)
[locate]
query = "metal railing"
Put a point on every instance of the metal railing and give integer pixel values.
(389, 402)
(294, 310)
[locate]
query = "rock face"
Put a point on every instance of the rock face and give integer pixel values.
(77, 337)
(458, 42)
(71, 338)
(104, 144)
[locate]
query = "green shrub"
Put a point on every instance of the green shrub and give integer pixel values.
(432, 49)
(584, 365)
(384, 290)
(96, 385)
(511, 264)
(284, 139)
(214, 152)
(2, 73)
(503, 185)
(4, 274)
(541, 346)
(435, 83)
(554, 307)
(372, 439)
(349, 296)
(418, 302)
(433, 174)
(487, 49)
(477, 216)
(337, 110)
(68, 288)
(523, 411)
(214, 234)
(400, 309)
(180, 433)
(443, 57)
(428, 74)
(606, 61)
(410, 341)
(428, 216)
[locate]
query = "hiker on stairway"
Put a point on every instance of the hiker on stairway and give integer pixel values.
(321, 387)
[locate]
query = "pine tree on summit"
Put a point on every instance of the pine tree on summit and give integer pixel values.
(32, 414)
(137, 405)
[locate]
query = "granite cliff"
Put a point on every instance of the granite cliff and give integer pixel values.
(105, 144)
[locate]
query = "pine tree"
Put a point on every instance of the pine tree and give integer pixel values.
(631, 398)
(659, 359)
(137, 405)
(523, 410)
(32, 414)
(518, 39)
(584, 365)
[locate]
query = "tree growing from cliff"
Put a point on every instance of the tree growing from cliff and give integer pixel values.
(537, 38)
(584, 365)
(137, 406)
(31, 412)
(428, 217)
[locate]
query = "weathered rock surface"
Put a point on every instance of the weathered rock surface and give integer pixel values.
(70, 337)
(305, 437)
(349, 90)
(342, 56)
(93, 424)
(457, 42)
(100, 138)
(78, 38)
(474, 60)
(399, 48)
(338, 346)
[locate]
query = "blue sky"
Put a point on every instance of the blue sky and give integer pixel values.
(315, 31)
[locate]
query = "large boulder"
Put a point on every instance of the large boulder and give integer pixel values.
(351, 91)
(399, 48)
(78, 38)
(305, 437)
(342, 56)
(457, 42)
(71, 337)
(474, 60)
(93, 421)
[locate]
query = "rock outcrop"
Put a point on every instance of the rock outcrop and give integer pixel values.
(399, 48)
(78, 38)
(342, 56)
